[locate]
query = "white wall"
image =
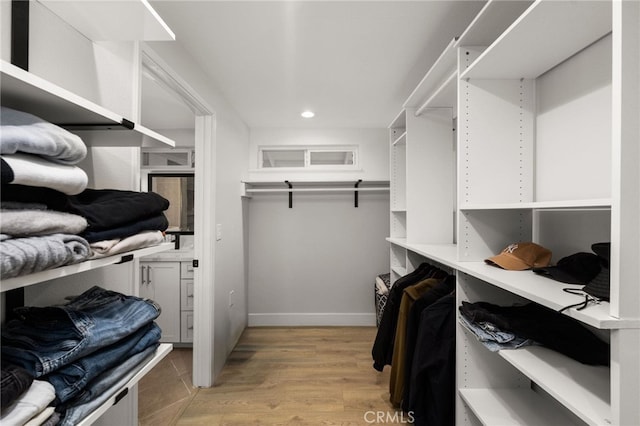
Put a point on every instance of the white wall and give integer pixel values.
(232, 144)
(315, 264)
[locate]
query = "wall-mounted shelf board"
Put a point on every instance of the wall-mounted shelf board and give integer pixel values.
(64, 271)
(491, 21)
(437, 74)
(601, 203)
(445, 254)
(25, 91)
(107, 20)
(546, 292)
(398, 210)
(513, 407)
(400, 140)
(399, 270)
(568, 28)
(583, 389)
(162, 351)
(325, 189)
(444, 96)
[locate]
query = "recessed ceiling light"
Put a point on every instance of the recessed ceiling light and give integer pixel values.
(308, 114)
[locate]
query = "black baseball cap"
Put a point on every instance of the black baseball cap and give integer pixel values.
(578, 268)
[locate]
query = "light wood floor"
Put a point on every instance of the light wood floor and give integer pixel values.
(276, 376)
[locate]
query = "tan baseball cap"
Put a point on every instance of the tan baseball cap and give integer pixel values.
(521, 256)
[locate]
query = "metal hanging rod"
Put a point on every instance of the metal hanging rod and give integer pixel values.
(317, 187)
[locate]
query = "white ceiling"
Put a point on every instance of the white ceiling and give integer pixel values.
(352, 62)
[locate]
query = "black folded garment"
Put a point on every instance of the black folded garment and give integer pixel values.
(545, 326)
(154, 223)
(103, 208)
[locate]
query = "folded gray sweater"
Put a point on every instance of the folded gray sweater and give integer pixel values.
(24, 132)
(22, 256)
(30, 223)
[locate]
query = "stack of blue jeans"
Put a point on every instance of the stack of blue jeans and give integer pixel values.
(84, 347)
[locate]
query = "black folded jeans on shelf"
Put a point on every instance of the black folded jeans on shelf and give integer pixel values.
(14, 381)
(545, 326)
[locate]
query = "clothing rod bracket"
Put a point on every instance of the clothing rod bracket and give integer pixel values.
(290, 194)
(355, 193)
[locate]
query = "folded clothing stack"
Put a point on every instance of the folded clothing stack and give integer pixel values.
(49, 217)
(80, 350)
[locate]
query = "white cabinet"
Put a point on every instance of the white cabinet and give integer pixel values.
(170, 284)
(186, 302)
(546, 105)
(159, 281)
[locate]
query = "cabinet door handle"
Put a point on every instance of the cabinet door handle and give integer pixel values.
(142, 274)
(148, 275)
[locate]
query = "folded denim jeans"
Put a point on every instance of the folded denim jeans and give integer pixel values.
(43, 339)
(71, 379)
(102, 388)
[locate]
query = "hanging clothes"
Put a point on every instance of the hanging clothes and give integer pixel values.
(432, 393)
(382, 351)
(440, 290)
(396, 378)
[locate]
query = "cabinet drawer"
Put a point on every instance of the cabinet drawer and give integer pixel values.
(186, 295)
(186, 327)
(186, 270)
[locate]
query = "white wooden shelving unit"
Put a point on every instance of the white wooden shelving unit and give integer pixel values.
(28, 92)
(546, 100)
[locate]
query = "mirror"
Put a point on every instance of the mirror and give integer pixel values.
(179, 190)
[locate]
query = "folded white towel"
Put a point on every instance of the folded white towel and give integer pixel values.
(35, 399)
(32, 170)
(24, 132)
(120, 245)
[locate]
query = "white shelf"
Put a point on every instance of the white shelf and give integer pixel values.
(583, 389)
(444, 96)
(25, 91)
(491, 21)
(445, 254)
(64, 271)
(399, 211)
(600, 203)
(162, 351)
(399, 270)
(512, 407)
(437, 74)
(539, 289)
(546, 292)
(400, 140)
(524, 51)
(399, 121)
(325, 189)
(102, 20)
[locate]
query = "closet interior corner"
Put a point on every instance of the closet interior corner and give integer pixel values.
(152, 202)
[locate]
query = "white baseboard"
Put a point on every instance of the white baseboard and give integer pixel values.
(315, 319)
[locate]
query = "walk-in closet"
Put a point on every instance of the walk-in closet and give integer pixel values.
(320, 212)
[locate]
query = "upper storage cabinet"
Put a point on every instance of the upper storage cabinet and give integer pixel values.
(541, 101)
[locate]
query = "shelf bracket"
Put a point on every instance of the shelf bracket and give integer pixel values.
(355, 193)
(290, 194)
(125, 258)
(20, 34)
